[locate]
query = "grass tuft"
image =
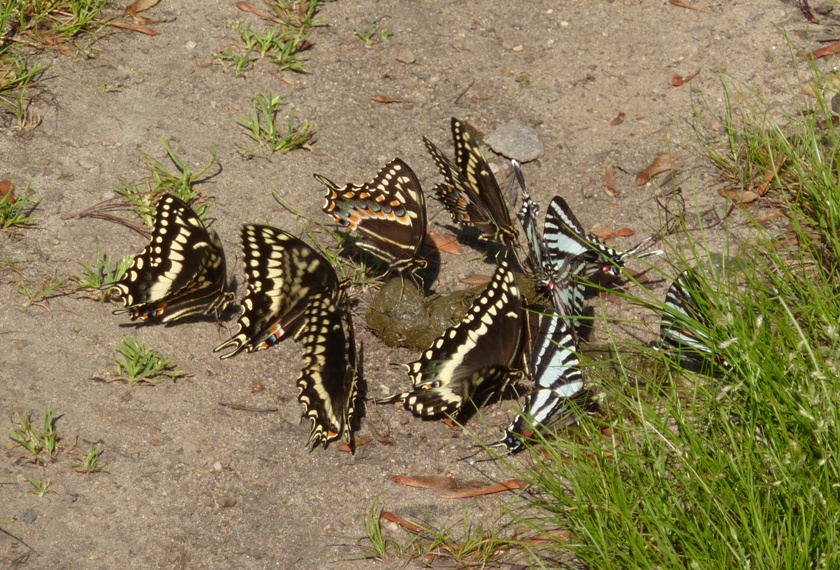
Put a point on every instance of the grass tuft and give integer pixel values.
(37, 441)
(262, 126)
(141, 365)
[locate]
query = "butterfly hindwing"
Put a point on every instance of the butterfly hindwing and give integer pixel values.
(554, 367)
(181, 273)
(283, 272)
(471, 193)
(389, 212)
(328, 382)
(474, 358)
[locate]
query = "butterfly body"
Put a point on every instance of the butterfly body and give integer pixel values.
(180, 274)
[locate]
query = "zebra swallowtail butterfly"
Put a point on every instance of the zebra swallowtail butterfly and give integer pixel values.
(684, 324)
(554, 368)
(181, 273)
(564, 237)
(559, 275)
(283, 273)
(328, 382)
(472, 360)
(471, 193)
(389, 211)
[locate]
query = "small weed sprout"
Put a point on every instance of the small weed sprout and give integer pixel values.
(91, 462)
(102, 274)
(16, 211)
(40, 296)
(143, 365)
(369, 37)
(37, 441)
(41, 487)
(262, 125)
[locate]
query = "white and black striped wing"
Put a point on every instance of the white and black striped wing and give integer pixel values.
(528, 216)
(554, 366)
(283, 272)
(328, 382)
(685, 324)
(471, 193)
(389, 212)
(181, 273)
(474, 359)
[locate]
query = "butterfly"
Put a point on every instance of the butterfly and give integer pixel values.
(180, 274)
(554, 367)
(389, 212)
(473, 359)
(565, 238)
(471, 193)
(283, 273)
(557, 274)
(685, 322)
(329, 380)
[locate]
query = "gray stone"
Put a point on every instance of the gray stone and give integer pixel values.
(515, 141)
(29, 516)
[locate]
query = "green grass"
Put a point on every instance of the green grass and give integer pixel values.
(739, 471)
(100, 276)
(370, 37)
(16, 211)
(91, 463)
(41, 294)
(41, 487)
(141, 365)
(38, 442)
(263, 128)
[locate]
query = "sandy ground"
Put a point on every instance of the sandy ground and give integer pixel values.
(189, 483)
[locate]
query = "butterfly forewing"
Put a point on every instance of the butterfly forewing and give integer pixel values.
(389, 212)
(328, 382)
(181, 273)
(283, 272)
(474, 358)
(471, 193)
(554, 366)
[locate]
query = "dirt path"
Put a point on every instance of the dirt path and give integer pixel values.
(189, 483)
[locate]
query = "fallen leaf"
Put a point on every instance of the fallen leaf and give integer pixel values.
(661, 164)
(740, 196)
(347, 448)
(133, 28)
(396, 519)
(602, 232)
(610, 186)
(257, 386)
(424, 481)
(679, 4)
(245, 7)
(447, 243)
(552, 536)
(140, 6)
(677, 80)
(450, 424)
(618, 119)
(623, 232)
(473, 279)
(287, 80)
(510, 485)
(386, 99)
(770, 175)
(823, 52)
(768, 217)
(7, 192)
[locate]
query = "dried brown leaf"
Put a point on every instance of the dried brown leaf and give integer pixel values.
(245, 7)
(602, 232)
(661, 164)
(610, 187)
(424, 481)
(618, 119)
(823, 52)
(770, 175)
(623, 232)
(740, 196)
(474, 279)
(396, 519)
(140, 6)
(447, 243)
(679, 4)
(347, 448)
(7, 189)
(510, 485)
(552, 536)
(133, 28)
(677, 80)
(386, 99)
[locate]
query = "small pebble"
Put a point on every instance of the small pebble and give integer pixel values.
(191, 44)
(217, 466)
(515, 141)
(29, 516)
(406, 57)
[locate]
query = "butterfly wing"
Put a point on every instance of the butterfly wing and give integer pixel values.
(555, 369)
(471, 193)
(283, 272)
(181, 273)
(389, 212)
(328, 382)
(475, 357)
